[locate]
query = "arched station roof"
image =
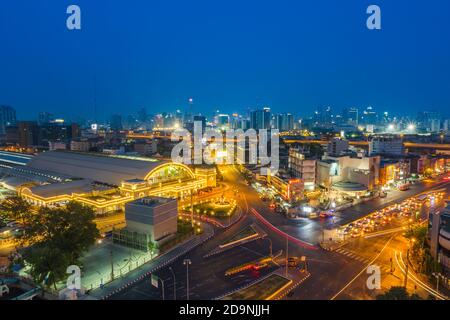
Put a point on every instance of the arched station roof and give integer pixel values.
(102, 168)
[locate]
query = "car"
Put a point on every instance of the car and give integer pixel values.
(292, 262)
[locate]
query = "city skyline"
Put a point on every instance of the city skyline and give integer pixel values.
(292, 57)
(224, 151)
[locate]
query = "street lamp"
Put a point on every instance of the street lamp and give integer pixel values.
(187, 262)
(174, 284)
(437, 276)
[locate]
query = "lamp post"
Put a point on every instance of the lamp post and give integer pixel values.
(437, 276)
(174, 284)
(187, 262)
(163, 295)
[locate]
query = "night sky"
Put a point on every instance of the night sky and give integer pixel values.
(226, 54)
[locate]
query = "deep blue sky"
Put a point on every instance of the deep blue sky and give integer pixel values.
(227, 54)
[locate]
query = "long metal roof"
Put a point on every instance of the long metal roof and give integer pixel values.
(107, 169)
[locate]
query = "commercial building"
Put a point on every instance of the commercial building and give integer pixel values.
(260, 119)
(7, 118)
(394, 171)
(302, 168)
(116, 123)
(351, 175)
(351, 116)
(146, 147)
(439, 237)
(386, 145)
(28, 134)
(81, 145)
(337, 146)
(284, 122)
(291, 190)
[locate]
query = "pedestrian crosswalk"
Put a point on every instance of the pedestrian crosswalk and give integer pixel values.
(353, 255)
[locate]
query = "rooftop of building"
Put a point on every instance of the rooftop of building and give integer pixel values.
(152, 201)
(349, 186)
(103, 168)
(55, 189)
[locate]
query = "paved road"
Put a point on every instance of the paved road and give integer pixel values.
(206, 275)
(330, 271)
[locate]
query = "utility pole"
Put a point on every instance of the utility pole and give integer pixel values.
(174, 284)
(112, 264)
(187, 262)
(192, 208)
(162, 282)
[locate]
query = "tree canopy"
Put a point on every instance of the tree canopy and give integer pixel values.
(55, 238)
(16, 208)
(398, 293)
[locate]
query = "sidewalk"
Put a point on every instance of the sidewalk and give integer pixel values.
(145, 270)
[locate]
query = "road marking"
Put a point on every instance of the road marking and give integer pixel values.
(411, 276)
(363, 270)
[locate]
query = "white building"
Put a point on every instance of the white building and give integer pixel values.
(154, 216)
(349, 174)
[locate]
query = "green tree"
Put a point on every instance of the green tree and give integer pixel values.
(48, 264)
(152, 246)
(398, 293)
(58, 237)
(16, 208)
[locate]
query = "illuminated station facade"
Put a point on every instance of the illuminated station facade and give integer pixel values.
(107, 183)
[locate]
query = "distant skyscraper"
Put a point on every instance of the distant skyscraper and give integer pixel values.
(201, 119)
(284, 122)
(429, 121)
(45, 117)
(28, 133)
(351, 115)
(116, 122)
(260, 119)
(7, 118)
(369, 116)
(142, 115)
(223, 121)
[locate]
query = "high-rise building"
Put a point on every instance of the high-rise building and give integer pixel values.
(351, 115)
(7, 118)
(429, 121)
(369, 116)
(28, 133)
(302, 168)
(51, 132)
(45, 117)
(223, 121)
(116, 122)
(142, 115)
(260, 119)
(284, 122)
